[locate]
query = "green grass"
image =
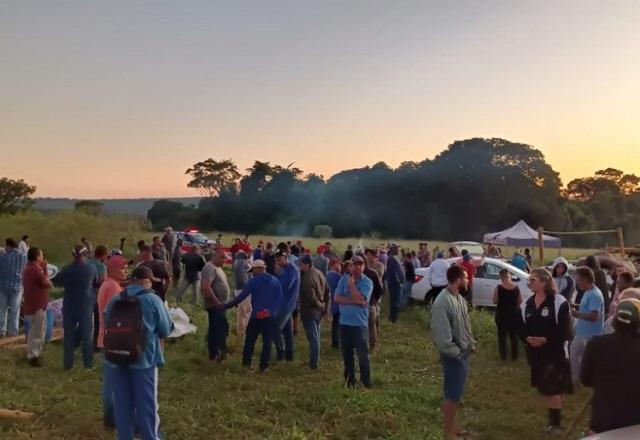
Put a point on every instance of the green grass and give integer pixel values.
(203, 400)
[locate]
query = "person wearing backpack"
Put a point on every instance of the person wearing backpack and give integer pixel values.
(135, 322)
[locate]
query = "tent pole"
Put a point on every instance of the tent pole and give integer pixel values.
(541, 245)
(621, 241)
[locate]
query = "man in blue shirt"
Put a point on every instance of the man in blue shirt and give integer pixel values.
(78, 279)
(589, 318)
(135, 386)
(352, 296)
(266, 303)
(289, 277)
(12, 263)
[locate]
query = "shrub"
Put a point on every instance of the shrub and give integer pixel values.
(322, 231)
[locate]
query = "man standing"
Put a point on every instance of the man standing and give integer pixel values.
(374, 302)
(35, 280)
(23, 246)
(437, 277)
(321, 262)
(135, 385)
(352, 296)
(78, 280)
(314, 306)
(333, 278)
(158, 251)
(266, 302)
(395, 279)
(169, 240)
(176, 262)
(374, 263)
(98, 261)
(193, 262)
(12, 263)
(215, 291)
(241, 276)
(610, 366)
(329, 252)
(451, 331)
(117, 272)
(589, 318)
(289, 279)
(470, 266)
(425, 255)
(160, 270)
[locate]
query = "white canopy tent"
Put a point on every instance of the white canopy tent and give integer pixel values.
(521, 235)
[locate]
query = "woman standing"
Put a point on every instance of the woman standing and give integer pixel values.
(545, 329)
(507, 297)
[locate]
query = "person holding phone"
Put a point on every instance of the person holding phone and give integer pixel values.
(36, 284)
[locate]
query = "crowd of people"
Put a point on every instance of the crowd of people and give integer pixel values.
(117, 305)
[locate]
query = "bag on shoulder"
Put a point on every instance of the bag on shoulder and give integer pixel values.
(124, 337)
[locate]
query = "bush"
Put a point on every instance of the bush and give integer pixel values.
(322, 231)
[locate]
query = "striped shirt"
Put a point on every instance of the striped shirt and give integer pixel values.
(12, 264)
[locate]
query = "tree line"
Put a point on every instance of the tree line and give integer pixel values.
(472, 187)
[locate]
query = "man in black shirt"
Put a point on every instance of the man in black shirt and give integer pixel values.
(193, 264)
(610, 365)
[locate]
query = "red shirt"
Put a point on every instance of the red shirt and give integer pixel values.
(108, 290)
(36, 292)
(470, 269)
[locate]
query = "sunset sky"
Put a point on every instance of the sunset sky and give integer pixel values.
(117, 98)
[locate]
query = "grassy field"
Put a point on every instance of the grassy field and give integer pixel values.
(203, 400)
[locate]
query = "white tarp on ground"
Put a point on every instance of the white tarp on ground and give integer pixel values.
(520, 235)
(181, 322)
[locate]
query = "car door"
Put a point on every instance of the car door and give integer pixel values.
(486, 279)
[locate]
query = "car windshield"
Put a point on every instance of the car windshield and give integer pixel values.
(196, 237)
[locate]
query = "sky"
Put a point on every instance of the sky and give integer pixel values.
(118, 98)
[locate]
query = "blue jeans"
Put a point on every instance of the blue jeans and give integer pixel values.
(395, 292)
(455, 371)
(136, 391)
(283, 337)
(312, 329)
(10, 311)
(218, 332)
(355, 338)
(406, 293)
(256, 327)
(78, 319)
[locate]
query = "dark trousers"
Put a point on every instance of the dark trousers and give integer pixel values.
(283, 337)
(395, 295)
(507, 326)
(432, 294)
(355, 339)
(335, 330)
(96, 325)
(78, 320)
(218, 332)
(256, 327)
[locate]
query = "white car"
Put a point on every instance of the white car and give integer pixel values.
(484, 283)
(475, 249)
(632, 432)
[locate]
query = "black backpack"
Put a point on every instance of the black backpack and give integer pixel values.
(124, 337)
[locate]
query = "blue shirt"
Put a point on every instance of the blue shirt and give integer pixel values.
(355, 316)
(12, 263)
(157, 324)
(592, 301)
(290, 281)
(266, 294)
(394, 273)
(520, 262)
(257, 254)
(78, 279)
(333, 278)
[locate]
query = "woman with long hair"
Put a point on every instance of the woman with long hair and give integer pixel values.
(545, 330)
(507, 298)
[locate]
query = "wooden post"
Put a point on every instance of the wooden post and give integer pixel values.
(541, 245)
(621, 241)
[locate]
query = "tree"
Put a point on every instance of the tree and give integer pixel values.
(91, 207)
(15, 195)
(212, 177)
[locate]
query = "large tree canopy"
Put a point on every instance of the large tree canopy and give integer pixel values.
(15, 195)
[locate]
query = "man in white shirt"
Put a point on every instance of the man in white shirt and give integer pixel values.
(437, 277)
(23, 246)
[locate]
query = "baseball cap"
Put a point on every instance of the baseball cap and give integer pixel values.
(257, 263)
(306, 259)
(321, 249)
(628, 312)
(466, 257)
(357, 259)
(117, 262)
(79, 250)
(143, 273)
